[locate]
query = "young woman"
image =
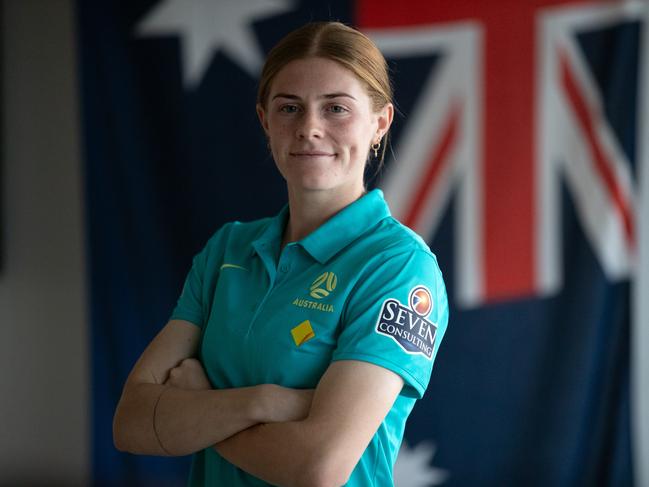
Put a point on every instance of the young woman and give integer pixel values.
(300, 342)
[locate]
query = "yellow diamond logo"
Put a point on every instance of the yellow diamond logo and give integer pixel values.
(324, 284)
(302, 333)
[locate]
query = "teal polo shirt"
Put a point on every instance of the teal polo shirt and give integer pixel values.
(360, 287)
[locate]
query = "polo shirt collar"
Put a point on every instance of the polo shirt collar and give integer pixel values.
(330, 237)
(268, 243)
(346, 226)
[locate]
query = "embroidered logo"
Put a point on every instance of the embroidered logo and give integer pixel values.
(324, 285)
(408, 325)
(302, 333)
(305, 303)
(232, 266)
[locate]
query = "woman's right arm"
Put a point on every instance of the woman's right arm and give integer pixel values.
(155, 418)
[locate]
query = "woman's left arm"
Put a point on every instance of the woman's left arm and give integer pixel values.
(349, 404)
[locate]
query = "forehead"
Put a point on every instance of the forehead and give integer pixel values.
(316, 76)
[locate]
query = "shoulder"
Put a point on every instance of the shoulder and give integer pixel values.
(390, 242)
(400, 236)
(390, 260)
(394, 260)
(236, 233)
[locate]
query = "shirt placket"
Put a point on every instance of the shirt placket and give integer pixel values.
(277, 273)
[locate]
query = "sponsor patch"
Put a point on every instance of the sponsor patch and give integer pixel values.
(302, 333)
(409, 325)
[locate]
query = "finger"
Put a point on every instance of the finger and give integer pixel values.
(191, 363)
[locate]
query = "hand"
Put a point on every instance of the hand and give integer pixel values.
(189, 374)
(280, 404)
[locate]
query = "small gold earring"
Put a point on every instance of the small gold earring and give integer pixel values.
(375, 148)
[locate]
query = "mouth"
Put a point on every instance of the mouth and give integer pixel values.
(312, 153)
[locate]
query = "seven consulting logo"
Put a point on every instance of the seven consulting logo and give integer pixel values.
(420, 300)
(408, 325)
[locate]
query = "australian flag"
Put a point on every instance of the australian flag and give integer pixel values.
(520, 153)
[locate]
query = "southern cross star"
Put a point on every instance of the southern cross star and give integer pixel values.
(208, 26)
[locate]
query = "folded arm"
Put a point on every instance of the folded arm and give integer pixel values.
(349, 404)
(160, 413)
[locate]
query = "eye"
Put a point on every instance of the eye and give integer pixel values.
(337, 109)
(289, 108)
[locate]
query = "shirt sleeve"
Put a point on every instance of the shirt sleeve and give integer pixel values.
(195, 300)
(396, 317)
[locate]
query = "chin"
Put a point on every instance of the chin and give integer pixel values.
(312, 181)
(312, 184)
(315, 186)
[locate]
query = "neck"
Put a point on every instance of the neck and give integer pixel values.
(310, 209)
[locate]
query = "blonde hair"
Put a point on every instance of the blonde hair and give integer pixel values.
(337, 42)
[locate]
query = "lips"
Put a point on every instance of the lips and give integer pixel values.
(311, 153)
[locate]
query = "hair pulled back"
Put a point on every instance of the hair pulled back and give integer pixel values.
(337, 42)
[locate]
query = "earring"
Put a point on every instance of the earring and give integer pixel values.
(375, 148)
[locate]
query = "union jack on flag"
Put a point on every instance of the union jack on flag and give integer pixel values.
(511, 112)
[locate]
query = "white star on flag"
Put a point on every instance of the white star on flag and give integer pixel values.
(207, 26)
(413, 467)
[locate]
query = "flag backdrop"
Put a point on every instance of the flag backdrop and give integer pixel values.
(520, 153)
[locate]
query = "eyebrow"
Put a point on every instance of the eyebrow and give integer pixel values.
(326, 96)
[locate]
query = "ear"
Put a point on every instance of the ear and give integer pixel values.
(262, 117)
(384, 120)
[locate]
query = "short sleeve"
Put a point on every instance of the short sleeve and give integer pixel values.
(194, 302)
(189, 305)
(395, 317)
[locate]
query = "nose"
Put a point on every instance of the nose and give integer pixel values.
(309, 125)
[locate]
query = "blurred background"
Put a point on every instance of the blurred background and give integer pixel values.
(520, 153)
